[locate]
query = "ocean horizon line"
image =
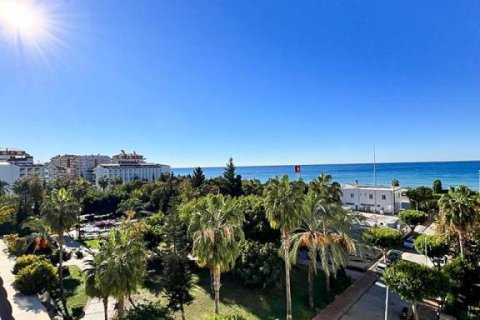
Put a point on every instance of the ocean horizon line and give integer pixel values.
(328, 164)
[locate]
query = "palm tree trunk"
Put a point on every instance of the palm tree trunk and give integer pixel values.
(415, 311)
(182, 311)
(286, 245)
(121, 305)
(60, 274)
(131, 301)
(216, 286)
(384, 255)
(311, 275)
(105, 307)
(460, 241)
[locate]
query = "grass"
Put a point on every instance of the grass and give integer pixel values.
(92, 244)
(255, 304)
(74, 286)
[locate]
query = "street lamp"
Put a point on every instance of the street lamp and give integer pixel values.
(381, 285)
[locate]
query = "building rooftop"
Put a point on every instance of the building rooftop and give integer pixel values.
(360, 186)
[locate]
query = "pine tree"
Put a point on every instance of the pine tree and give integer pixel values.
(198, 177)
(232, 183)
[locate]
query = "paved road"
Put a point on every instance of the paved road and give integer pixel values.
(371, 306)
(23, 307)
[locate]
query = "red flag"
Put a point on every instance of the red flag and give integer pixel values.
(297, 169)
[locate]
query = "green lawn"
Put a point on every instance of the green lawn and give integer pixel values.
(92, 244)
(253, 303)
(75, 288)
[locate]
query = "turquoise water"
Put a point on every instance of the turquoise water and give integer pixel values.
(409, 174)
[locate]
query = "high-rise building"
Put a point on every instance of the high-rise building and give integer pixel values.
(15, 164)
(74, 166)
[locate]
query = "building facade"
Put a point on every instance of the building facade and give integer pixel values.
(15, 164)
(129, 167)
(375, 199)
(74, 166)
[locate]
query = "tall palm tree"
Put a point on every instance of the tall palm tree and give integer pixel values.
(216, 229)
(120, 265)
(94, 285)
(459, 211)
(327, 189)
(60, 211)
(283, 209)
(311, 236)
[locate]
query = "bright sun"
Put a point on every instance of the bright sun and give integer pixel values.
(21, 18)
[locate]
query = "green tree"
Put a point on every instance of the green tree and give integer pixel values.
(3, 187)
(414, 282)
(458, 212)
(382, 237)
(283, 204)
(423, 197)
(122, 267)
(231, 182)
(60, 211)
(395, 183)
(216, 229)
(198, 178)
(436, 247)
(103, 183)
(412, 218)
(94, 286)
(177, 281)
(437, 187)
(328, 190)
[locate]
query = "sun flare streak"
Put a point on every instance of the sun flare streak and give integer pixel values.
(29, 24)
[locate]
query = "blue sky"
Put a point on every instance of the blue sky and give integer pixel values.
(267, 82)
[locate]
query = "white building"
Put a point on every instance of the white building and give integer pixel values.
(379, 199)
(15, 164)
(130, 166)
(129, 172)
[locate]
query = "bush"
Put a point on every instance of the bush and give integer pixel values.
(16, 245)
(412, 217)
(227, 317)
(77, 312)
(259, 265)
(36, 278)
(55, 257)
(148, 311)
(25, 261)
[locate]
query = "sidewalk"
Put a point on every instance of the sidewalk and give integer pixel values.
(23, 307)
(348, 298)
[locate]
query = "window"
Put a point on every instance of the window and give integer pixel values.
(352, 195)
(370, 196)
(384, 197)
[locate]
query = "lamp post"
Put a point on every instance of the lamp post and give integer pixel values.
(381, 285)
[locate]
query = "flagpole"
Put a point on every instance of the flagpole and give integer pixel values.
(374, 180)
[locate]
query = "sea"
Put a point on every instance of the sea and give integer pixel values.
(409, 174)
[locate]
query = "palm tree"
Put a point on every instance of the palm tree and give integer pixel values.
(216, 229)
(94, 286)
(120, 267)
(283, 209)
(327, 189)
(60, 210)
(458, 211)
(311, 236)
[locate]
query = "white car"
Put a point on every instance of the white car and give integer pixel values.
(380, 267)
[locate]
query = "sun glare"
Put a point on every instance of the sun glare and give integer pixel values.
(21, 19)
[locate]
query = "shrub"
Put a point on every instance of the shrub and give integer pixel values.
(77, 312)
(148, 311)
(25, 261)
(227, 317)
(412, 217)
(259, 265)
(16, 245)
(36, 278)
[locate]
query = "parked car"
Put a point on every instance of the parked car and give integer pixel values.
(380, 267)
(394, 255)
(408, 242)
